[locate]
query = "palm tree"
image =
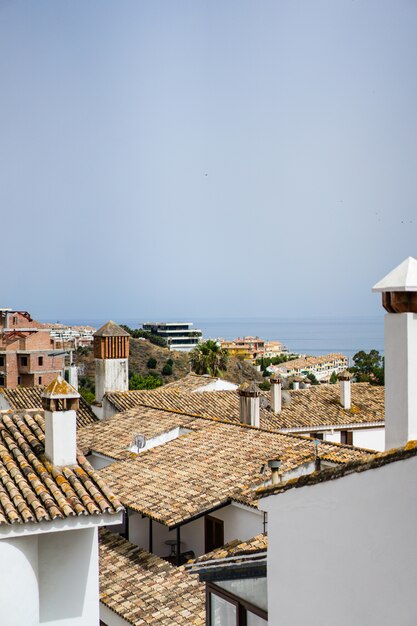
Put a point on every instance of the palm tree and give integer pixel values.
(208, 358)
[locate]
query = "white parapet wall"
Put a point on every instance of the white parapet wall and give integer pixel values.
(350, 543)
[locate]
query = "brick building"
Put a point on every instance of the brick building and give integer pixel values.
(26, 351)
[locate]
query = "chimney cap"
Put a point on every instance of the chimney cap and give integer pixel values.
(297, 379)
(401, 278)
(275, 379)
(274, 464)
(345, 375)
(249, 389)
(60, 389)
(111, 329)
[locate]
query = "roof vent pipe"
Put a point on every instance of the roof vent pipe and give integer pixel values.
(275, 466)
(249, 394)
(345, 391)
(276, 394)
(296, 382)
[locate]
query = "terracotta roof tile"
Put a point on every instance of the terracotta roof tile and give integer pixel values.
(32, 489)
(209, 467)
(22, 398)
(144, 589)
(319, 405)
(190, 382)
(237, 548)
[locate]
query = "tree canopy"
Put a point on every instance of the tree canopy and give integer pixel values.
(368, 367)
(208, 358)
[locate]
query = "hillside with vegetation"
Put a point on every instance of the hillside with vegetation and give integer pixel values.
(151, 365)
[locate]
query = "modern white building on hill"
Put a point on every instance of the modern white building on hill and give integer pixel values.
(51, 504)
(178, 335)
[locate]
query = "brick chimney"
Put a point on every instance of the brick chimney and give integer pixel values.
(345, 391)
(399, 299)
(249, 404)
(276, 393)
(111, 355)
(60, 402)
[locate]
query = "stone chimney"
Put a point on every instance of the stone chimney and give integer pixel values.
(249, 404)
(276, 393)
(111, 354)
(344, 379)
(60, 402)
(399, 299)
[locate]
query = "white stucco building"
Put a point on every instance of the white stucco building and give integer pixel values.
(359, 556)
(51, 504)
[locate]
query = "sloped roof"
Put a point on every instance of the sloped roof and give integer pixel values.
(209, 467)
(34, 490)
(317, 406)
(112, 436)
(22, 398)
(401, 278)
(190, 382)
(236, 548)
(359, 465)
(144, 589)
(111, 329)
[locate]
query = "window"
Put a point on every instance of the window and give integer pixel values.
(40, 360)
(18, 380)
(1, 361)
(213, 532)
(14, 321)
(227, 609)
(40, 380)
(317, 436)
(346, 437)
(23, 361)
(1, 381)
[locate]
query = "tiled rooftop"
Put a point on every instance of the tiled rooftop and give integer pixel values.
(209, 467)
(113, 436)
(22, 398)
(144, 589)
(319, 405)
(190, 382)
(236, 548)
(32, 489)
(359, 465)
(311, 361)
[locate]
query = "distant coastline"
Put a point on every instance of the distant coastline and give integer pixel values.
(318, 335)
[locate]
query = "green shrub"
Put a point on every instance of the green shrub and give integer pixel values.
(151, 364)
(167, 370)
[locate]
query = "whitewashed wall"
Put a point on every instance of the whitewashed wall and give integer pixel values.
(348, 545)
(374, 438)
(19, 596)
(239, 523)
(50, 578)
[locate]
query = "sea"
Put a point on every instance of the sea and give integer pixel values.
(314, 336)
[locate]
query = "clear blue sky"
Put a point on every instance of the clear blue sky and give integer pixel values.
(217, 158)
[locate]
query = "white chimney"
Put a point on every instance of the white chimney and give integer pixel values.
(399, 299)
(60, 403)
(111, 355)
(276, 394)
(296, 382)
(249, 404)
(71, 374)
(345, 391)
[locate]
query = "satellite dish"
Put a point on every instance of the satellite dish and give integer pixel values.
(139, 441)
